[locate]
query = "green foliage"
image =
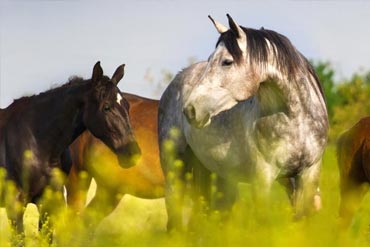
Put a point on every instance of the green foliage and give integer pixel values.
(347, 99)
(326, 76)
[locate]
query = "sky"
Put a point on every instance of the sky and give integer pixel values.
(44, 42)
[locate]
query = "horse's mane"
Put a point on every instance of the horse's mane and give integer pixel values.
(259, 44)
(72, 81)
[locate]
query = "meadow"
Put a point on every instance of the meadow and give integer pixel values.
(139, 222)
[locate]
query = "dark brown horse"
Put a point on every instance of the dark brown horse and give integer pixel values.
(35, 132)
(89, 154)
(353, 153)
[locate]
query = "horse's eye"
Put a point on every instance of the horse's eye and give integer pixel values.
(227, 62)
(106, 107)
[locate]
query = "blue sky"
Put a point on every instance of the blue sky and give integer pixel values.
(44, 42)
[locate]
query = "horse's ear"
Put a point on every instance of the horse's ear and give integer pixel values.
(240, 34)
(118, 75)
(97, 72)
(220, 28)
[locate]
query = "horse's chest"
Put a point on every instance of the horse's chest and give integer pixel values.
(237, 149)
(220, 150)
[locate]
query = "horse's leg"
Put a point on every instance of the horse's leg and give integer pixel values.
(175, 189)
(307, 198)
(201, 176)
(45, 222)
(77, 186)
(224, 197)
(354, 180)
(209, 191)
(261, 197)
(289, 184)
(103, 203)
(352, 192)
(261, 188)
(49, 205)
(173, 154)
(201, 188)
(14, 205)
(15, 211)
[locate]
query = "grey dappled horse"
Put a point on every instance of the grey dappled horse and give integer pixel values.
(254, 112)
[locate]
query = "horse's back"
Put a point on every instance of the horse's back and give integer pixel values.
(142, 113)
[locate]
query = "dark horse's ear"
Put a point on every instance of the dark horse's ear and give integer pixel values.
(118, 75)
(97, 72)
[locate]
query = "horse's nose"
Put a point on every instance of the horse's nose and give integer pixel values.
(129, 155)
(189, 112)
(197, 119)
(134, 148)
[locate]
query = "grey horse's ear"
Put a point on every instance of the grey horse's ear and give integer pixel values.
(240, 34)
(97, 72)
(234, 26)
(118, 75)
(220, 28)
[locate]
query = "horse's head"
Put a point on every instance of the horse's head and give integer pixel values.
(226, 79)
(106, 116)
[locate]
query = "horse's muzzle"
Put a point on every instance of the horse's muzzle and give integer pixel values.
(129, 155)
(194, 118)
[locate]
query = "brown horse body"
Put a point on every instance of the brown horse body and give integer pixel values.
(90, 155)
(353, 153)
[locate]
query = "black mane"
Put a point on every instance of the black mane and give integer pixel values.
(287, 57)
(288, 60)
(72, 81)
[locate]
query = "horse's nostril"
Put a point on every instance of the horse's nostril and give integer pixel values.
(134, 148)
(206, 119)
(129, 155)
(190, 112)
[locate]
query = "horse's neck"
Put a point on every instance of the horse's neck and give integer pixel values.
(294, 96)
(63, 122)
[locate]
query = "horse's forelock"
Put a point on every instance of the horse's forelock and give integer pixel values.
(231, 44)
(103, 89)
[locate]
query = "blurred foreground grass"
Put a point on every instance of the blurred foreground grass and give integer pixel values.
(138, 222)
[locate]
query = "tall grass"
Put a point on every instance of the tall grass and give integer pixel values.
(138, 222)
